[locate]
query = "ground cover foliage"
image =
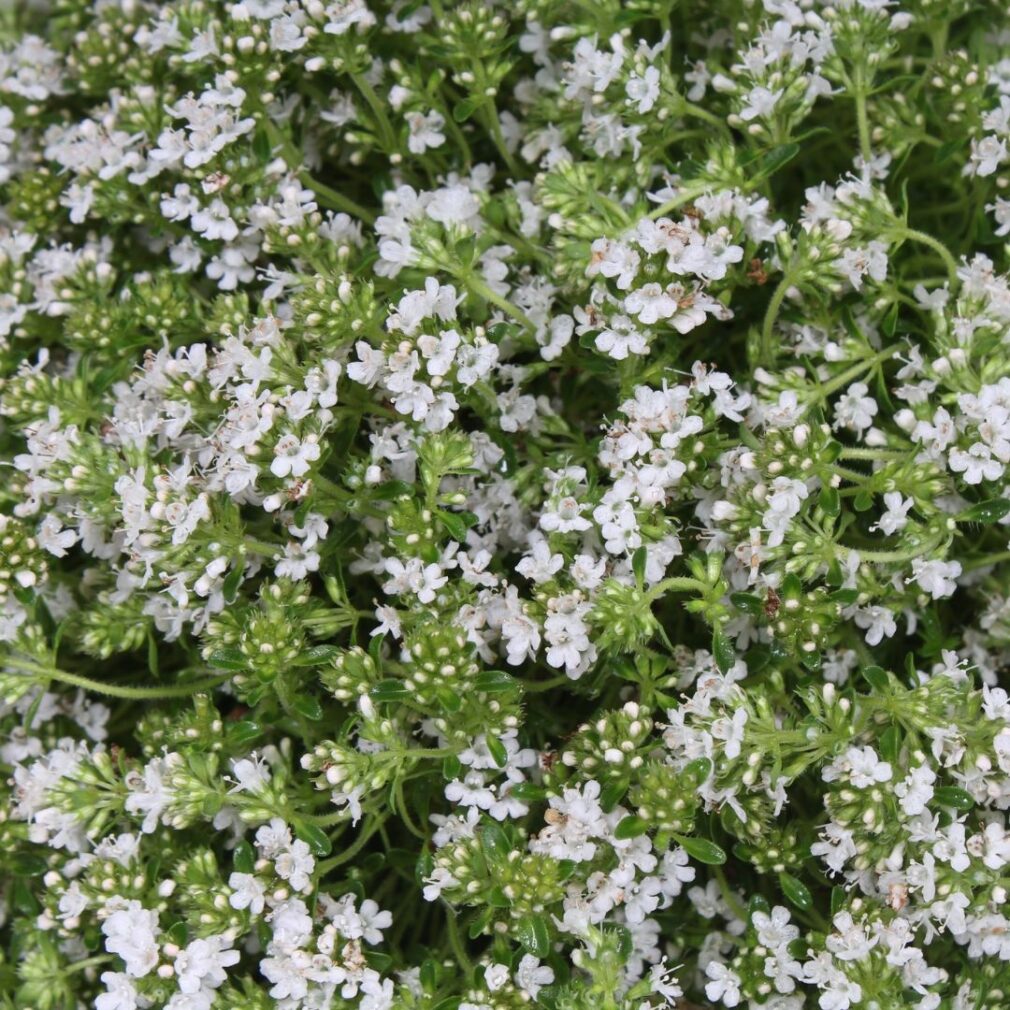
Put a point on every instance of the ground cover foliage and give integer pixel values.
(504, 505)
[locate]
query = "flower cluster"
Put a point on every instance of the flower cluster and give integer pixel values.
(504, 505)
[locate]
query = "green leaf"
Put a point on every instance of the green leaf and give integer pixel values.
(829, 501)
(244, 857)
(876, 678)
(27, 864)
(702, 849)
(494, 842)
(497, 750)
(796, 892)
(528, 792)
(837, 900)
(228, 658)
(465, 108)
(389, 690)
(638, 560)
(612, 794)
(317, 655)
(314, 836)
(863, 501)
(778, 157)
(495, 682)
(233, 580)
(631, 827)
(307, 706)
(533, 934)
(890, 744)
(244, 732)
(748, 603)
(449, 699)
(725, 655)
(698, 770)
(952, 796)
(986, 512)
(455, 525)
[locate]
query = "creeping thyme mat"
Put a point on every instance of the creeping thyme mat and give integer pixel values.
(504, 505)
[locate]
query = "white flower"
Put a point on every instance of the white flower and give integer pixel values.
(936, 577)
(294, 456)
(120, 994)
(565, 517)
(53, 538)
(895, 518)
(854, 409)
(642, 91)
(724, 984)
(249, 892)
(130, 933)
(495, 976)
(425, 131)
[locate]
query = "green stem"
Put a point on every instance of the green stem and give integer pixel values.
(330, 198)
(862, 120)
(456, 942)
(914, 235)
(679, 583)
(378, 110)
(885, 454)
(115, 690)
(919, 550)
(728, 896)
(697, 112)
(844, 378)
(353, 849)
(494, 127)
(771, 315)
(986, 560)
(88, 962)
(263, 547)
(327, 820)
(478, 287)
(683, 197)
(533, 687)
(401, 805)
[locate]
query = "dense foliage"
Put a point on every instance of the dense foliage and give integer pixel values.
(504, 504)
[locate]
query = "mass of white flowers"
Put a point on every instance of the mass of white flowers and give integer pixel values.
(504, 506)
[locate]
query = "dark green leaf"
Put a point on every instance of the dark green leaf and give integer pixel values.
(495, 682)
(317, 655)
(307, 706)
(702, 849)
(228, 658)
(313, 836)
(986, 512)
(638, 560)
(952, 796)
(244, 732)
(875, 677)
(631, 827)
(533, 934)
(748, 603)
(497, 750)
(244, 857)
(829, 501)
(722, 649)
(796, 892)
(389, 690)
(495, 842)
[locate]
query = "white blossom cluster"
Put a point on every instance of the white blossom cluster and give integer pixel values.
(504, 505)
